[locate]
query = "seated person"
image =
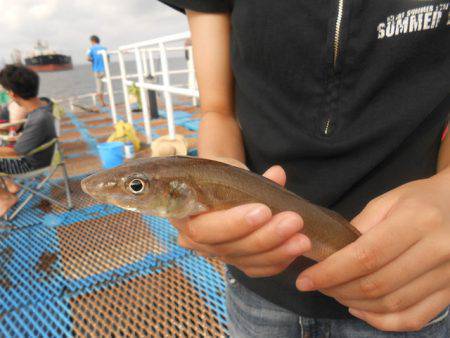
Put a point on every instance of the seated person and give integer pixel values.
(12, 113)
(11, 117)
(22, 85)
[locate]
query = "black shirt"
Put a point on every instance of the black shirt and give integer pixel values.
(349, 96)
(38, 130)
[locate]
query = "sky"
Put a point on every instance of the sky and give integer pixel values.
(67, 24)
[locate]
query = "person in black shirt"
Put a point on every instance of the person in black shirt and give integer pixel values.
(22, 85)
(350, 98)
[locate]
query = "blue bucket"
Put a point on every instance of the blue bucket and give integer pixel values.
(112, 154)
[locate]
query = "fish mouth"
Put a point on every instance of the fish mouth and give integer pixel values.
(87, 185)
(84, 186)
(84, 183)
(96, 186)
(104, 189)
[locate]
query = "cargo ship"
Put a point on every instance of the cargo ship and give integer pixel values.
(43, 59)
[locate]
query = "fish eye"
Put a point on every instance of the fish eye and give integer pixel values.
(137, 186)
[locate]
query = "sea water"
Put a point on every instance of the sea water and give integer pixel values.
(80, 80)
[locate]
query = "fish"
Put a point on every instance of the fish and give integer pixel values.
(181, 186)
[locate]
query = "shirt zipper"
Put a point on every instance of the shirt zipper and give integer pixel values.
(337, 33)
(337, 43)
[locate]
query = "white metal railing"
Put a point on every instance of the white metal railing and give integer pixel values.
(71, 100)
(145, 53)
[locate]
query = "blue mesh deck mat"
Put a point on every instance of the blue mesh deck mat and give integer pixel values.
(100, 271)
(49, 318)
(92, 143)
(40, 211)
(192, 125)
(80, 277)
(177, 114)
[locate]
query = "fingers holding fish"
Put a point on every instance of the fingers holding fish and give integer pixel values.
(411, 263)
(414, 318)
(396, 275)
(372, 251)
(283, 254)
(264, 264)
(266, 271)
(273, 234)
(406, 296)
(276, 174)
(227, 225)
(200, 249)
(179, 224)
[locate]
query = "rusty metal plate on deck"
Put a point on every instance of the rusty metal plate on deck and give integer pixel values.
(95, 246)
(163, 304)
(101, 131)
(98, 122)
(70, 136)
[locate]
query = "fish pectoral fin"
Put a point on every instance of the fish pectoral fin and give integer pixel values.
(199, 208)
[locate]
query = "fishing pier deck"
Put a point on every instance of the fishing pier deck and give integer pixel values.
(98, 270)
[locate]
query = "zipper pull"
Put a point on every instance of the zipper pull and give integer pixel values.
(328, 126)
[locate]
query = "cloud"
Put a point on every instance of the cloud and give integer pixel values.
(67, 24)
(43, 11)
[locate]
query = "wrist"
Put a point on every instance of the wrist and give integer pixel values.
(228, 160)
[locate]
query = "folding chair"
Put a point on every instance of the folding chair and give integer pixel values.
(26, 180)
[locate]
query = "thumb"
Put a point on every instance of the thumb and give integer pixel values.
(276, 174)
(375, 212)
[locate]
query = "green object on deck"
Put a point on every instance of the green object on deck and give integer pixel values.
(4, 97)
(134, 95)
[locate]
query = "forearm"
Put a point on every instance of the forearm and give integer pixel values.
(220, 136)
(444, 155)
(442, 177)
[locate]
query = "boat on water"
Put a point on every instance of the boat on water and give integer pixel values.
(43, 59)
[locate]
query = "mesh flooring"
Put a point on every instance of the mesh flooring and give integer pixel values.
(98, 271)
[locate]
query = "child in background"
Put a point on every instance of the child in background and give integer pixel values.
(22, 85)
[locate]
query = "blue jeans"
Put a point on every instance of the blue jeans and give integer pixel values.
(250, 315)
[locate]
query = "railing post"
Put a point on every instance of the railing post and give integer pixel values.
(152, 62)
(123, 75)
(143, 91)
(94, 100)
(191, 74)
(167, 95)
(108, 80)
(144, 62)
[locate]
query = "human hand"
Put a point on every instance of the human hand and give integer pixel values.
(396, 276)
(249, 236)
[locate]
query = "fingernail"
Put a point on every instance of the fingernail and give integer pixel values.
(288, 226)
(297, 247)
(257, 216)
(305, 284)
